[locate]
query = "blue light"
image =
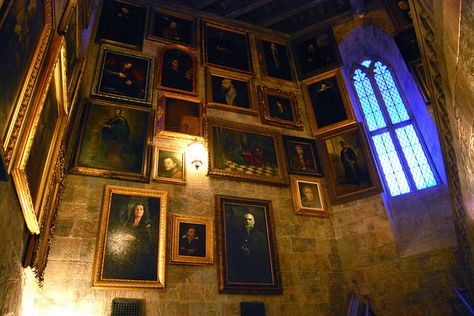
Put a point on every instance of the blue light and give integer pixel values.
(366, 63)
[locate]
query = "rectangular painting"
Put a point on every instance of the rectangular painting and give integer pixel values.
(24, 36)
(301, 156)
(169, 165)
(350, 165)
(170, 26)
(316, 54)
(122, 23)
(279, 108)
(275, 60)
(245, 152)
(192, 239)
(131, 246)
(230, 91)
(248, 261)
(400, 12)
(308, 196)
(328, 104)
(112, 141)
(180, 116)
(177, 70)
(33, 169)
(227, 48)
(123, 75)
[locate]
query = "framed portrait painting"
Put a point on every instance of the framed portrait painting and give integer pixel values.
(308, 196)
(123, 75)
(122, 23)
(275, 60)
(25, 35)
(245, 152)
(180, 116)
(248, 261)
(316, 54)
(230, 91)
(112, 141)
(327, 102)
(227, 47)
(192, 239)
(169, 165)
(177, 70)
(400, 12)
(33, 168)
(279, 108)
(302, 156)
(170, 26)
(130, 250)
(350, 165)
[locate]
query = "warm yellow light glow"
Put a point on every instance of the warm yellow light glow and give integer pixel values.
(196, 153)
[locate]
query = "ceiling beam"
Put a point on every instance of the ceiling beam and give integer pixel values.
(289, 13)
(204, 4)
(246, 9)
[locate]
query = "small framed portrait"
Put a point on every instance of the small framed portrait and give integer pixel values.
(177, 70)
(400, 12)
(230, 91)
(275, 60)
(227, 47)
(170, 26)
(316, 54)
(327, 102)
(350, 165)
(112, 141)
(123, 75)
(169, 166)
(192, 239)
(122, 23)
(245, 152)
(248, 261)
(301, 156)
(180, 116)
(308, 196)
(279, 108)
(33, 167)
(131, 246)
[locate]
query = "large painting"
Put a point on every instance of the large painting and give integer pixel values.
(112, 141)
(316, 53)
(26, 28)
(171, 26)
(279, 108)
(123, 75)
(226, 47)
(328, 104)
(275, 60)
(248, 262)
(350, 165)
(130, 250)
(177, 70)
(245, 152)
(122, 23)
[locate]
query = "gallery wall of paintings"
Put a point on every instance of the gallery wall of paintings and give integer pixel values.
(272, 115)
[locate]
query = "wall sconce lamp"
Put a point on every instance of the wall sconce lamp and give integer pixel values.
(196, 151)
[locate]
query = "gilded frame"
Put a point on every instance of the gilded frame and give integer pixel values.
(192, 20)
(263, 62)
(123, 56)
(180, 223)
(178, 177)
(32, 196)
(93, 166)
(315, 204)
(248, 164)
(21, 101)
(222, 64)
(290, 114)
(117, 200)
(162, 65)
(349, 182)
(210, 91)
(343, 102)
(198, 129)
(261, 275)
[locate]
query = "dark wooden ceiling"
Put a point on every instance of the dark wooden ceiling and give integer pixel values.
(287, 16)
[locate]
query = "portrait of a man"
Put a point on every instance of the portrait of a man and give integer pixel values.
(326, 101)
(230, 92)
(170, 165)
(309, 193)
(302, 156)
(280, 108)
(177, 70)
(276, 60)
(172, 28)
(192, 241)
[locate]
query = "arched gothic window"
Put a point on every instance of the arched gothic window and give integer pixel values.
(400, 152)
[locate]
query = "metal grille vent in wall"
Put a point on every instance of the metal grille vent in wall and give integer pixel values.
(126, 307)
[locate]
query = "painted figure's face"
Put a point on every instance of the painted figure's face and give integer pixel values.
(308, 193)
(249, 221)
(169, 164)
(127, 66)
(191, 233)
(138, 210)
(175, 63)
(117, 112)
(226, 83)
(299, 149)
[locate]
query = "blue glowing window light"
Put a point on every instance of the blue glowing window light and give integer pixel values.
(366, 63)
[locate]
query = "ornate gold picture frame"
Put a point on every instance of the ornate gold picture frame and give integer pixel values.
(192, 239)
(308, 196)
(130, 250)
(169, 165)
(279, 108)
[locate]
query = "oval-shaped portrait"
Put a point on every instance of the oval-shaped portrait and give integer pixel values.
(177, 71)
